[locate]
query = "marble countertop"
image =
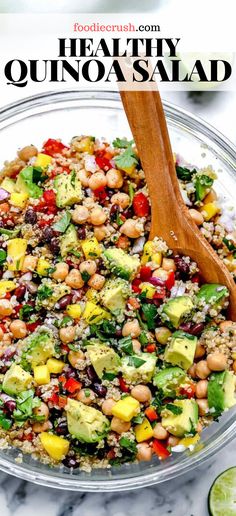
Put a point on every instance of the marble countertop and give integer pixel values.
(185, 496)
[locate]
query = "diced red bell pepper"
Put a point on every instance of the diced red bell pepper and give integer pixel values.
(54, 398)
(150, 348)
(135, 285)
(49, 197)
(3, 327)
(41, 206)
(160, 293)
(151, 414)
(145, 273)
(195, 278)
(43, 223)
(100, 193)
(7, 295)
(32, 326)
(62, 401)
(28, 437)
(160, 449)
(111, 454)
(188, 391)
(72, 385)
(169, 283)
(103, 163)
(52, 147)
(132, 301)
(141, 205)
(124, 387)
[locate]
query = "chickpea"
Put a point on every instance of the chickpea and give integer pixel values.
(74, 357)
(160, 432)
(192, 371)
(88, 266)
(141, 393)
(136, 346)
(97, 281)
(217, 361)
(162, 335)
(202, 406)
(29, 263)
(74, 279)
(100, 232)
(18, 329)
(200, 351)
(201, 389)
(28, 152)
(202, 369)
(41, 427)
(234, 366)
(42, 410)
(160, 273)
(131, 328)
(172, 441)
(122, 199)
(97, 180)
(6, 339)
(119, 426)
(80, 215)
(107, 406)
(144, 452)
(84, 176)
(225, 326)
(196, 216)
(5, 308)
(62, 270)
(86, 396)
(132, 228)
(168, 264)
(114, 178)
(67, 335)
(98, 216)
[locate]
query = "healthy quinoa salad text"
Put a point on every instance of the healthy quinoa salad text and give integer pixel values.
(112, 349)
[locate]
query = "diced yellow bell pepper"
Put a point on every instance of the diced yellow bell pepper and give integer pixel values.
(92, 295)
(55, 366)
(148, 289)
(43, 266)
(74, 311)
(6, 286)
(41, 374)
(144, 431)
(19, 200)
(151, 254)
(57, 447)
(86, 144)
(91, 248)
(42, 160)
(16, 249)
(209, 210)
(93, 313)
(190, 441)
(126, 408)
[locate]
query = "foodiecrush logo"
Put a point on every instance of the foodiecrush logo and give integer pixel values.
(127, 61)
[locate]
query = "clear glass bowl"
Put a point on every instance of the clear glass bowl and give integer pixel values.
(66, 114)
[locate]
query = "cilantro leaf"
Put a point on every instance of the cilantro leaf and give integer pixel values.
(5, 422)
(25, 312)
(202, 185)
(109, 376)
(136, 361)
(122, 143)
(185, 173)
(127, 159)
(85, 276)
(67, 319)
(126, 345)
(44, 291)
(62, 224)
(150, 313)
(25, 403)
(173, 408)
(124, 442)
(3, 256)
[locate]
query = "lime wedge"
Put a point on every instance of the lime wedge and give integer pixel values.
(222, 495)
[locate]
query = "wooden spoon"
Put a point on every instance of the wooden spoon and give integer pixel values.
(170, 217)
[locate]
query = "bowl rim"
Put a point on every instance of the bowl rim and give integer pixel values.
(191, 461)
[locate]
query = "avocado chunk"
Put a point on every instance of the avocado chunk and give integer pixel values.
(49, 293)
(69, 191)
(212, 294)
(69, 241)
(85, 423)
(181, 349)
(221, 392)
(8, 184)
(121, 263)
(103, 359)
(114, 294)
(184, 423)
(168, 380)
(39, 346)
(138, 368)
(176, 309)
(27, 181)
(16, 380)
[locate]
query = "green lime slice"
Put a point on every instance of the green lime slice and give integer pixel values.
(222, 495)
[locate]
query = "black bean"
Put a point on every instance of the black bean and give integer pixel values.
(185, 327)
(64, 301)
(91, 373)
(10, 405)
(61, 428)
(20, 292)
(100, 390)
(81, 232)
(181, 264)
(47, 234)
(197, 329)
(70, 462)
(114, 211)
(30, 217)
(54, 245)
(128, 213)
(8, 353)
(71, 372)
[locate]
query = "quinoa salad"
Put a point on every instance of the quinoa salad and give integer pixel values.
(113, 350)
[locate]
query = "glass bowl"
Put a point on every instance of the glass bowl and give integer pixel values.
(64, 115)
